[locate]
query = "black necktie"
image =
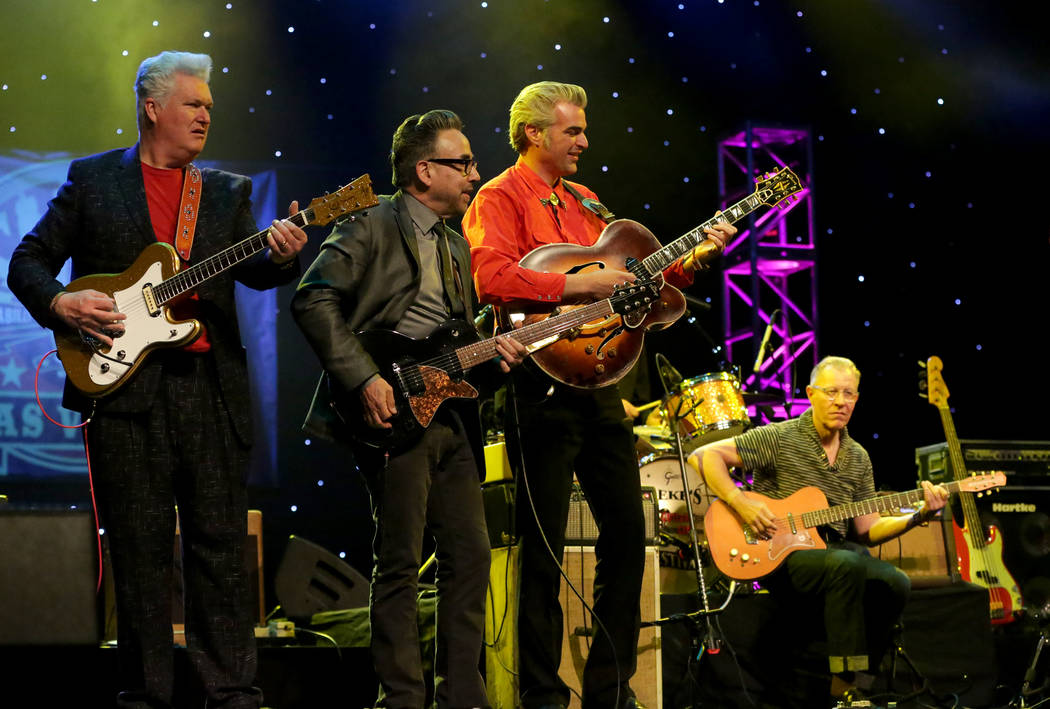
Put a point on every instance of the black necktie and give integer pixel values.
(448, 271)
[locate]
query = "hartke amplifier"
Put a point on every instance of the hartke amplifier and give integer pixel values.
(581, 529)
(1024, 462)
(1022, 515)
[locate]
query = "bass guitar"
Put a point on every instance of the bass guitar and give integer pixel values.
(600, 352)
(425, 373)
(741, 554)
(144, 291)
(978, 549)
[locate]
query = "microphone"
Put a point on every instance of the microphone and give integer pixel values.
(712, 641)
(671, 376)
(696, 302)
(761, 357)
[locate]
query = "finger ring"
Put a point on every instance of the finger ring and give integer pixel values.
(283, 242)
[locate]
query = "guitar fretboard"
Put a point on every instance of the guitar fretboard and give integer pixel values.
(885, 503)
(657, 261)
(192, 277)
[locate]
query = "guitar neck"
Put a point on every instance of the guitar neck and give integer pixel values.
(190, 278)
(969, 507)
(549, 328)
(661, 259)
(885, 503)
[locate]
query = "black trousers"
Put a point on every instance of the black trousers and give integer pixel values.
(182, 451)
(586, 433)
(432, 487)
(861, 598)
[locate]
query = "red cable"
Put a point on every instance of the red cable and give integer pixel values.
(87, 456)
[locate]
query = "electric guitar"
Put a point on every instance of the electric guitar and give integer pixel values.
(600, 352)
(741, 554)
(144, 291)
(978, 549)
(425, 373)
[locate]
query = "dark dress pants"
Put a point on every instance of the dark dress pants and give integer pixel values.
(861, 597)
(434, 486)
(182, 451)
(586, 433)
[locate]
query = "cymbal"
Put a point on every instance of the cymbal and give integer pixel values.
(652, 432)
(762, 398)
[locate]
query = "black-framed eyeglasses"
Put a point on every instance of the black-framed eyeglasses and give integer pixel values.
(466, 165)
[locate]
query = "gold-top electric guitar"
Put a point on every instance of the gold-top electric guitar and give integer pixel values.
(600, 352)
(144, 291)
(978, 549)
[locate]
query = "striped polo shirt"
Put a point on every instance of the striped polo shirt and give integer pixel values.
(787, 455)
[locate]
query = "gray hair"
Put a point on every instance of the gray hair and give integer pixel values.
(840, 363)
(156, 77)
(535, 105)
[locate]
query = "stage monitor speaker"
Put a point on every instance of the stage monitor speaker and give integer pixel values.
(582, 530)
(1022, 515)
(48, 572)
(501, 656)
(310, 579)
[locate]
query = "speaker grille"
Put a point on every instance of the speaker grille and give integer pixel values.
(582, 530)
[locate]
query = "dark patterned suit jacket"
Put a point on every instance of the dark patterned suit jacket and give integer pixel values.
(100, 220)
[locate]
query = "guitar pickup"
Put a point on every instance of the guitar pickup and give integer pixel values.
(151, 301)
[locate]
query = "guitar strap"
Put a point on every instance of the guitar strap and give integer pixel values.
(592, 204)
(189, 207)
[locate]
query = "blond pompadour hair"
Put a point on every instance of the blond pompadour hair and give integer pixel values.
(535, 105)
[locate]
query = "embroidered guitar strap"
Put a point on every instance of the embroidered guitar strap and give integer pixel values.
(592, 204)
(189, 207)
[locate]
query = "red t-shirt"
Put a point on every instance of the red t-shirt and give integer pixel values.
(163, 195)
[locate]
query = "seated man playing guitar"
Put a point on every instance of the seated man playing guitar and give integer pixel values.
(399, 267)
(862, 596)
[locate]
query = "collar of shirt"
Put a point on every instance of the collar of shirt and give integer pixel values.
(538, 186)
(806, 421)
(423, 217)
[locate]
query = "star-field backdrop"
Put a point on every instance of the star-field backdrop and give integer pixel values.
(927, 119)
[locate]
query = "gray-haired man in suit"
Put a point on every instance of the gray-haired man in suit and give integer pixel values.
(179, 430)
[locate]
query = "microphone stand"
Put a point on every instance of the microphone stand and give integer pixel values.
(704, 634)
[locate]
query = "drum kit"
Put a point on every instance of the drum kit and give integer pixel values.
(707, 408)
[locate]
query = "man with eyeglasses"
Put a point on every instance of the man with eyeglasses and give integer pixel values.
(400, 267)
(862, 596)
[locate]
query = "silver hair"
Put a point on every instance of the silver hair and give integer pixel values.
(156, 77)
(840, 363)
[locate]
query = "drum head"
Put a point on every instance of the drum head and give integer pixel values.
(677, 561)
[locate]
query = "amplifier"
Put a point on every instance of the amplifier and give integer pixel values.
(581, 529)
(1022, 461)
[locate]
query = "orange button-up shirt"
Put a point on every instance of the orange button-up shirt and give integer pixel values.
(507, 220)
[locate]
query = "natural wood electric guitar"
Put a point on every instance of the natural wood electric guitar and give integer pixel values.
(978, 549)
(425, 373)
(600, 352)
(144, 291)
(741, 554)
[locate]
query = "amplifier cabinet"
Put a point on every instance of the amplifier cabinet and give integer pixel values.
(582, 530)
(1024, 462)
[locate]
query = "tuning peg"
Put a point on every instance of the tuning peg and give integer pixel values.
(922, 365)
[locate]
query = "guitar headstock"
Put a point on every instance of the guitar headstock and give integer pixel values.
(633, 297)
(931, 382)
(984, 481)
(352, 197)
(774, 187)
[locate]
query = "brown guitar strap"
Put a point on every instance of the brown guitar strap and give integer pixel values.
(592, 204)
(189, 207)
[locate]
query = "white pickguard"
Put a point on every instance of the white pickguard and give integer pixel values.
(142, 329)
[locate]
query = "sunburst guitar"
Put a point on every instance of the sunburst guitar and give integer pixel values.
(978, 549)
(144, 291)
(600, 352)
